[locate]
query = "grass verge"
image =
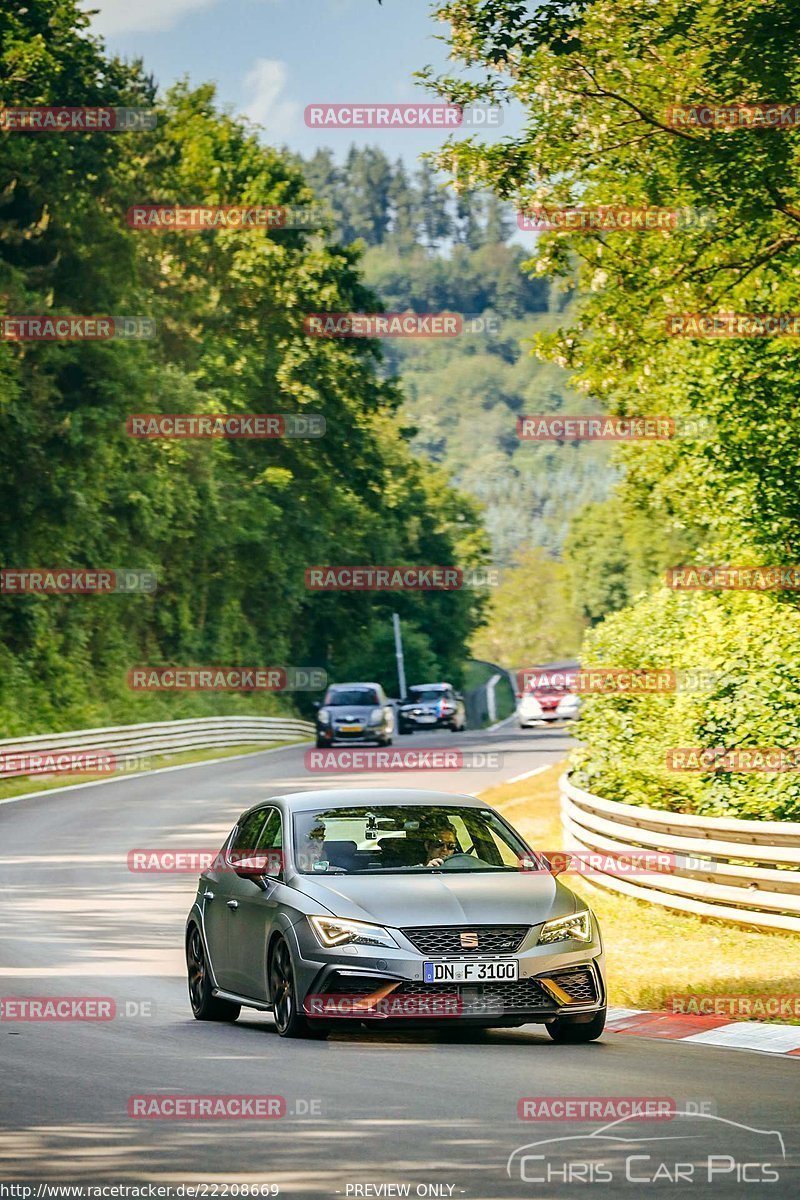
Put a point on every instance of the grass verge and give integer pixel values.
(22, 785)
(653, 953)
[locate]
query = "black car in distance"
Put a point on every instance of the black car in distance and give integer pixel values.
(431, 706)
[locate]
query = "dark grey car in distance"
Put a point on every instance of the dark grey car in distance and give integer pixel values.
(388, 905)
(355, 712)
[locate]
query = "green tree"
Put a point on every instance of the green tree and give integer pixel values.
(229, 527)
(529, 617)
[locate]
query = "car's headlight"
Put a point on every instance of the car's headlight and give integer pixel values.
(324, 717)
(576, 928)
(333, 932)
(376, 716)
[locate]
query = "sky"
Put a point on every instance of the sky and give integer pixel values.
(270, 58)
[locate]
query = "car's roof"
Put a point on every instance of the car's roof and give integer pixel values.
(357, 684)
(373, 797)
(416, 686)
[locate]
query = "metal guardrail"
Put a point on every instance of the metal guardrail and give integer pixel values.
(746, 872)
(157, 738)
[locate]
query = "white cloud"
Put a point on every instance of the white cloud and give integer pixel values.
(263, 85)
(140, 16)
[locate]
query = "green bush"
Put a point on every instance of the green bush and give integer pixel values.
(747, 643)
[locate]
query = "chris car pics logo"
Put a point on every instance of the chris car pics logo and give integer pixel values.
(627, 1154)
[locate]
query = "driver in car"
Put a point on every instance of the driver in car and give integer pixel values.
(440, 844)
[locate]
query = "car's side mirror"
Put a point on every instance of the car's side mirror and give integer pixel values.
(256, 867)
(558, 863)
(317, 704)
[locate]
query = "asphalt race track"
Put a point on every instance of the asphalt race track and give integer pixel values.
(369, 1114)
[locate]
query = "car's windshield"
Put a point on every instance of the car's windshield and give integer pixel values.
(425, 695)
(395, 839)
(352, 696)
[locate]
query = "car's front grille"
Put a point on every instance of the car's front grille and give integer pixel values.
(438, 940)
(522, 996)
(476, 1000)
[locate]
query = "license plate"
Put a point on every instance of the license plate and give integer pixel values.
(471, 972)
(426, 720)
(351, 728)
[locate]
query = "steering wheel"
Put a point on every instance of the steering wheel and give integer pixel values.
(454, 857)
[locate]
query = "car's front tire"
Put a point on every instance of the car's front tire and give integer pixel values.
(571, 1030)
(289, 1020)
(205, 1006)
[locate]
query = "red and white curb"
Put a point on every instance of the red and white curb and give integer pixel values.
(707, 1031)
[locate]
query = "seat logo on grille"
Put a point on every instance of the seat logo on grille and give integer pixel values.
(469, 941)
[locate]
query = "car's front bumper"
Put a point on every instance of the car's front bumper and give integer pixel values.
(355, 973)
(370, 733)
(527, 717)
(437, 723)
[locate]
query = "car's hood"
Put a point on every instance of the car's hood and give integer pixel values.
(449, 898)
(359, 711)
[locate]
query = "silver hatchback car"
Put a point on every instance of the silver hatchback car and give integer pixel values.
(392, 906)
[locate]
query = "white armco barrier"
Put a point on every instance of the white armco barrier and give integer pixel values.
(129, 743)
(746, 872)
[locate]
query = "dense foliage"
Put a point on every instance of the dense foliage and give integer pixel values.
(436, 249)
(228, 526)
(596, 80)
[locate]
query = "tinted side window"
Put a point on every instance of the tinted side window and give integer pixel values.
(247, 834)
(272, 840)
(272, 836)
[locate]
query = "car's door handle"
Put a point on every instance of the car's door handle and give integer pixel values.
(207, 895)
(233, 904)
